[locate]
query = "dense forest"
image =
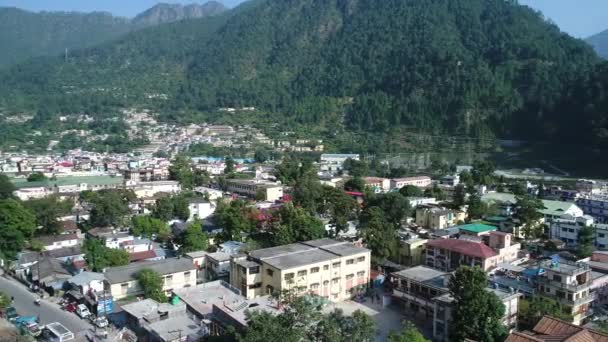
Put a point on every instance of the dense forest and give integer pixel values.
(476, 68)
(25, 34)
(600, 43)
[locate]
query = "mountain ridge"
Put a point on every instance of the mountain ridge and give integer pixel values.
(599, 42)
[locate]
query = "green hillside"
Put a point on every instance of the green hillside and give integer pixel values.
(478, 68)
(600, 43)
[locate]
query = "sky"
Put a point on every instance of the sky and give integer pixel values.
(580, 18)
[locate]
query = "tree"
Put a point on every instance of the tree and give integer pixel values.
(147, 226)
(229, 168)
(36, 177)
(6, 187)
(411, 191)
(586, 236)
(528, 212)
(47, 211)
(355, 168)
(378, 234)
(291, 224)
(435, 192)
(5, 300)
(163, 209)
(181, 207)
(17, 225)
(152, 284)
(476, 313)
(518, 189)
(109, 207)
(308, 192)
(530, 311)
(483, 172)
(395, 206)
(459, 198)
(477, 208)
(193, 238)
(181, 171)
(355, 184)
(261, 155)
(98, 256)
(339, 206)
(201, 178)
(409, 334)
(234, 217)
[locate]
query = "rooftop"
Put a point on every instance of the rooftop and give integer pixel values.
(425, 275)
(553, 208)
(151, 309)
(476, 228)
(219, 256)
(464, 247)
(50, 239)
(123, 274)
(68, 180)
(556, 330)
(171, 329)
(202, 297)
(86, 277)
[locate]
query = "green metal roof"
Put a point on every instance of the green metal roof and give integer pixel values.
(477, 228)
(21, 183)
(553, 208)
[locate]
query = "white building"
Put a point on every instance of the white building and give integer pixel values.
(567, 229)
(421, 182)
(52, 242)
(200, 209)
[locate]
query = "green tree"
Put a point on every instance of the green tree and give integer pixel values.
(355, 184)
(47, 211)
(477, 208)
(181, 171)
(201, 178)
(586, 236)
(531, 310)
(308, 192)
(17, 225)
(291, 224)
(411, 191)
(229, 168)
(378, 234)
(5, 300)
(181, 207)
(518, 189)
(409, 334)
(147, 226)
(459, 198)
(476, 313)
(395, 206)
(98, 256)
(483, 172)
(6, 187)
(163, 209)
(528, 212)
(436, 192)
(356, 168)
(234, 217)
(152, 284)
(193, 238)
(109, 207)
(339, 206)
(36, 177)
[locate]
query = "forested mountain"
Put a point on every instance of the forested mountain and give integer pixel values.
(24, 34)
(167, 13)
(600, 43)
(465, 67)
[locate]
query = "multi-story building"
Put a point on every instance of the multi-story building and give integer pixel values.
(255, 188)
(52, 242)
(594, 205)
(421, 182)
(449, 254)
(568, 283)
(200, 209)
(568, 228)
(377, 184)
(557, 330)
(412, 252)
(415, 288)
(176, 273)
(332, 269)
(434, 217)
(150, 189)
(335, 162)
(443, 312)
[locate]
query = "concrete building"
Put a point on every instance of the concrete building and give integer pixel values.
(52, 242)
(415, 288)
(448, 254)
(594, 205)
(434, 217)
(421, 182)
(569, 283)
(256, 189)
(556, 330)
(200, 209)
(412, 252)
(335, 162)
(217, 266)
(567, 229)
(177, 273)
(476, 229)
(377, 184)
(552, 210)
(329, 268)
(415, 202)
(150, 189)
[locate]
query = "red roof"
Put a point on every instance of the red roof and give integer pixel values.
(139, 256)
(464, 247)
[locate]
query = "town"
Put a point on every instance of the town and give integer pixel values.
(162, 245)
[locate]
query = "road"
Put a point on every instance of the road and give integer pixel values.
(48, 312)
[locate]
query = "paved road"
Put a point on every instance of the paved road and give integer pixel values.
(48, 312)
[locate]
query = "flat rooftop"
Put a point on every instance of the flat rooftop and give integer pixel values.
(149, 308)
(424, 274)
(239, 312)
(126, 273)
(171, 329)
(202, 297)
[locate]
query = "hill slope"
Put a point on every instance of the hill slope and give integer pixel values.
(467, 67)
(600, 43)
(24, 34)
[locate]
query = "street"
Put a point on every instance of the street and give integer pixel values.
(48, 312)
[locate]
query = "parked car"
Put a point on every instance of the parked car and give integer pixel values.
(11, 314)
(83, 311)
(33, 329)
(101, 322)
(70, 307)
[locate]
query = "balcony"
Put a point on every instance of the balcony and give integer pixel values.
(590, 298)
(565, 267)
(559, 285)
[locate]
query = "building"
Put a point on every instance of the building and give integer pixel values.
(590, 186)
(377, 184)
(113, 239)
(567, 229)
(416, 287)
(476, 229)
(448, 254)
(335, 162)
(332, 269)
(450, 180)
(87, 282)
(177, 273)
(151, 189)
(442, 314)
(421, 182)
(434, 217)
(556, 330)
(254, 188)
(415, 202)
(569, 284)
(200, 209)
(594, 205)
(217, 266)
(213, 194)
(412, 252)
(52, 242)
(552, 210)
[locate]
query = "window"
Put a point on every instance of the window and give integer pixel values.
(557, 277)
(187, 276)
(565, 230)
(314, 286)
(361, 259)
(335, 280)
(314, 270)
(326, 282)
(335, 265)
(289, 276)
(325, 267)
(302, 273)
(350, 261)
(255, 286)
(271, 273)
(350, 276)
(302, 289)
(361, 274)
(601, 235)
(254, 270)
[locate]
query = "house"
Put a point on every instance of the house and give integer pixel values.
(595, 205)
(420, 182)
(200, 209)
(213, 194)
(450, 180)
(87, 281)
(442, 313)
(377, 184)
(122, 281)
(415, 288)
(415, 202)
(51, 242)
(412, 252)
(335, 162)
(332, 269)
(552, 209)
(50, 274)
(256, 189)
(435, 217)
(476, 229)
(567, 229)
(113, 238)
(557, 330)
(449, 254)
(217, 266)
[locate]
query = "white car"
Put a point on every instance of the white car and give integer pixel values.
(83, 311)
(101, 322)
